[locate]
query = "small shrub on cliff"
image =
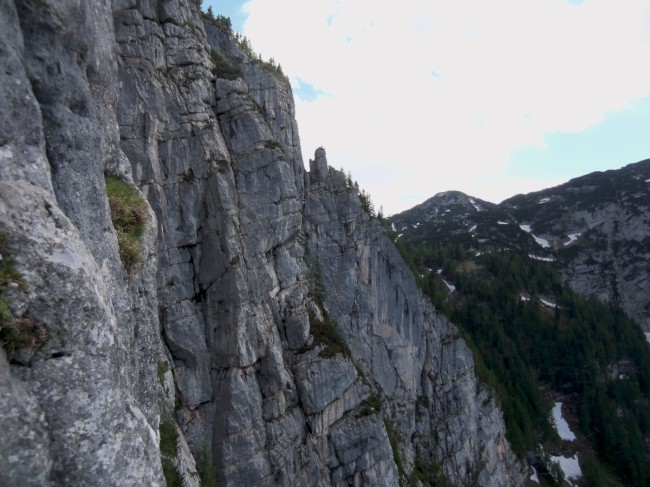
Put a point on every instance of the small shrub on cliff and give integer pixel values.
(366, 202)
(325, 331)
(168, 438)
(271, 68)
(172, 477)
(161, 370)
(169, 451)
(221, 68)
(129, 215)
(429, 474)
(206, 469)
(224, 23)
(221, 22)
(273, 144)
(327, 335)
(393, 439)
(22, 332)
(8, 277)
(371, 406)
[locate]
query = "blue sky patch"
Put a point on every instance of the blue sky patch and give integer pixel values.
(306, 91)
(621, 138)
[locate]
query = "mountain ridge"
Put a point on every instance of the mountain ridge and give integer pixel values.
(586, 224)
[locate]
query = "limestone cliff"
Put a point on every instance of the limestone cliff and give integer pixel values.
(252, 273)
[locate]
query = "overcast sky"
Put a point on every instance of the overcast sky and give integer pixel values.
(492, 98)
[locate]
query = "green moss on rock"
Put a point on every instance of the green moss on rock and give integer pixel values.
(129, 214)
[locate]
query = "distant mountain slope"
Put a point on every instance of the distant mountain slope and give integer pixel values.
(595, 228)
(454, 217)
(520, 279)
(599, 228)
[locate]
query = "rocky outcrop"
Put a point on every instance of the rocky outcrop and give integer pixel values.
(271, 331)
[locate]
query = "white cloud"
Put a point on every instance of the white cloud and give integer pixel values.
(506, 72)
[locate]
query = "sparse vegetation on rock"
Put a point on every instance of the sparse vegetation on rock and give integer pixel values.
(129, 214)
(9, 276)
(222, 68)
(22, 331)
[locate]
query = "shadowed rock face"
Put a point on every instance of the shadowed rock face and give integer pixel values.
(246, 259)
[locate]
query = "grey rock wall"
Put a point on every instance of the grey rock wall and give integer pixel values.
(215, 331)
(616, 271)
(81, 394)
(416, 361)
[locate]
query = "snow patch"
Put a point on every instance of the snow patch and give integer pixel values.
(542, 242)
(543, 259)
(399, 235)
(416, 225)
(450, 287)
(544, 200)
(647, 180)
(561, 425)
(524, 298)
(647, 335)
(392, 226)
(503, 223)
(471, 230)
(533, 477)
(548, 303)
(476, 207)
(439, 271)
(570, 466)
(572, 238)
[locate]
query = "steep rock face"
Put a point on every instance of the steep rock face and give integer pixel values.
(230, 276)
(598, 227)
(215, 331)
(423, 371)
(81, 411)
(227, 182)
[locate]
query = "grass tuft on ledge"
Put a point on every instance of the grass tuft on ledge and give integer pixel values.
(129, 214)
